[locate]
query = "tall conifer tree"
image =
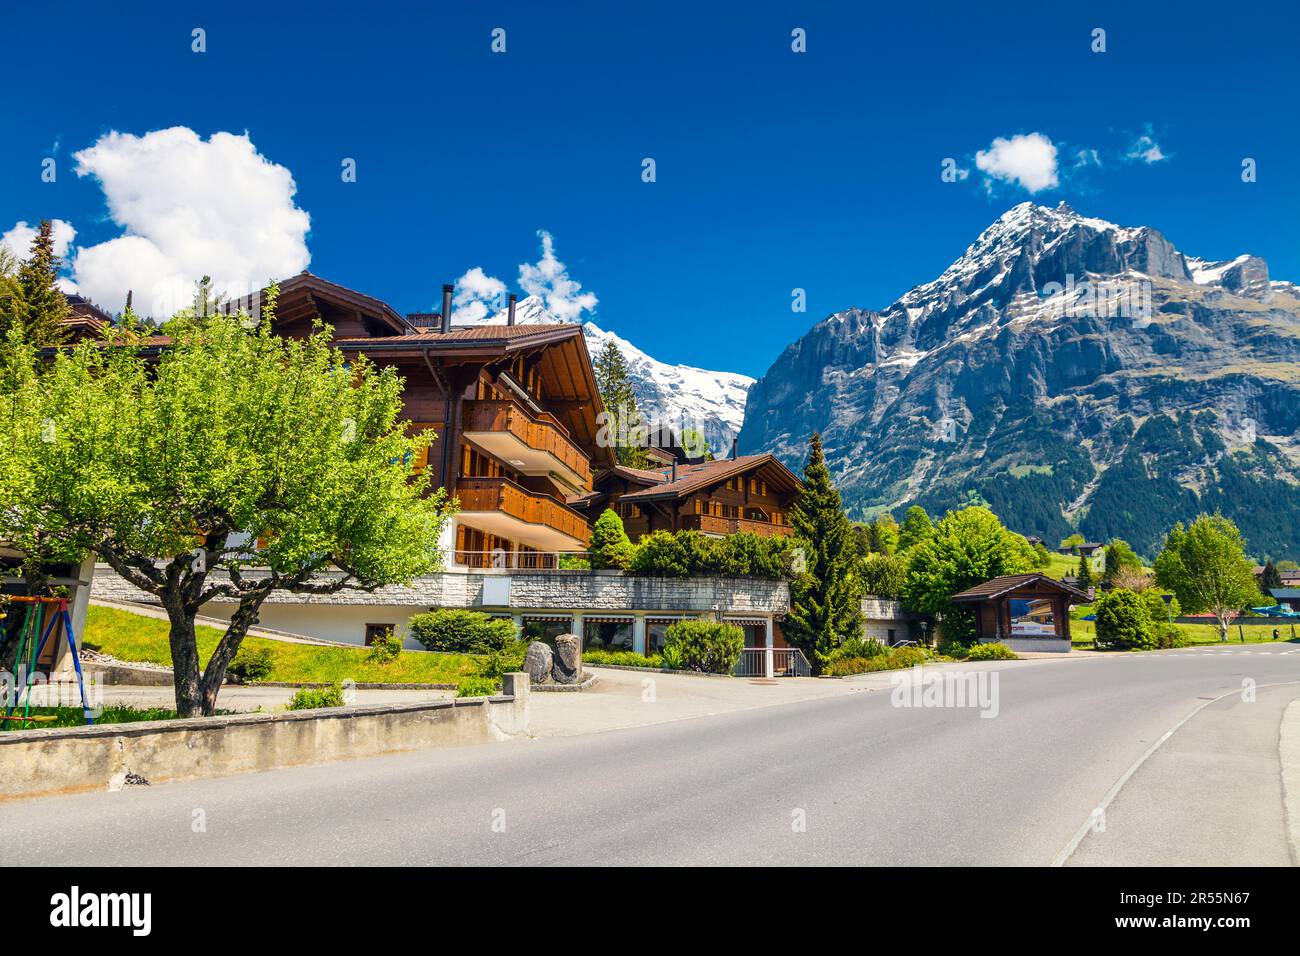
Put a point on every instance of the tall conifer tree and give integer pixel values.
(825, 601)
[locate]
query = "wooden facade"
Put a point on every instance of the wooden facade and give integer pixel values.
(752, 493)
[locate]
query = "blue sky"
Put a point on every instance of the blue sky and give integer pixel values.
(775, 170)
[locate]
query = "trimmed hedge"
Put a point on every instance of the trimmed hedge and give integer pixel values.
(468, 632)
(596, 657)
(897, 658)
(712, 647)
(991, 652)
(684, 553)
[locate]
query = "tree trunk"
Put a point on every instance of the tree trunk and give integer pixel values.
(243, 618)
(185, 661)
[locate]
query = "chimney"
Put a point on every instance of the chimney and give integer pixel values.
(733, 449)
(447, 290)
(510, 316)
(674, 467)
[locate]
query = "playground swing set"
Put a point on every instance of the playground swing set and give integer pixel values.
(46, 618)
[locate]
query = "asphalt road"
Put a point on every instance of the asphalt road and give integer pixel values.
(844, 780)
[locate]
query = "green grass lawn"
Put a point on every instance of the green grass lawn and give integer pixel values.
(133, 637)
(1085, 632)
(76, 717)
(1061, 565)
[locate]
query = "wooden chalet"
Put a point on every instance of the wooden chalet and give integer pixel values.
(514, 408)
(747, 493)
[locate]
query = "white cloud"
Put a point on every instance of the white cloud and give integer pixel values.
(477, 294)
(188, 207)
(19, 238)
(1145, 149)
(1087, 157)
(479, 297)
(1028, 160)
(549, 280)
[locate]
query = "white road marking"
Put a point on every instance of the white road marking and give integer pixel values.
(1068, 850)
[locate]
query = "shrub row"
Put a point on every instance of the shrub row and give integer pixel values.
(597, 656)
(894, 658)
(466, 632)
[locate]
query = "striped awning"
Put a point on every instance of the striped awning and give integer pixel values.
(746, 621)
(552, 618)
(606, 619)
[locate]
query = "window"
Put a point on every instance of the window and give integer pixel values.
(613, 634)
(376, 631)
(890, 638)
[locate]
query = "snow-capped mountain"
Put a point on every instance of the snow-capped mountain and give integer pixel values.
(680, 395)
(1072, 372)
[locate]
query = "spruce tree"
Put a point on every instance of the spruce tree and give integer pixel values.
(1271, 577)
(45, 306)
(624, 424)
(826, 600)
(1085, 574)
(12, 306)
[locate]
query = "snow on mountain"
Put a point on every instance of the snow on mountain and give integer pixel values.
(679, 395)
(1047, 369)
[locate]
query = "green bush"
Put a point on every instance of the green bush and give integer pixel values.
(597, 656)
(574, 562)
(1171, 635)
(662, 554)
(992, 652)
(1124, 622)
(310, 698)
(896, 658)
(950, 648)
(503, 661)
(859, 647)
(386, 648)
(252, 664)
(669, 555)
(709, 646)
(1156, 608)
(610, 546)
(467, 632)
(476, 687)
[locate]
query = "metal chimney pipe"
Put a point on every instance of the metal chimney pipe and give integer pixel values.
(674, 468)
(510, 316)
(447, 290)
(733, 449)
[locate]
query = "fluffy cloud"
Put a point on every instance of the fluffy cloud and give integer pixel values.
(1145, 150)
(479, 296)
(1029, 160)
(477, 293)
(188, 207)
(18, 240)
(549, 280)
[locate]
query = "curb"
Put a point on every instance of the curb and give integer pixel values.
(1288, 752)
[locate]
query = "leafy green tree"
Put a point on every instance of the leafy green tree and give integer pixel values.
(882, 535)
(13, 308)
(610, 547)
(623, 426)
(44, 304)
(1119, 555)
(884, 575)
(1124, 621)
(826, 600)
(1206, 567)
(170, 469)
(915, 529)
(1042, 557)
(967, 548)
(1072, 540)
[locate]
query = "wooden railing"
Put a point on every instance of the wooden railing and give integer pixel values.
(503, 495)
(713, 524)
(543, 434)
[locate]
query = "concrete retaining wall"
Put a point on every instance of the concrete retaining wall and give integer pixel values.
(70, 759)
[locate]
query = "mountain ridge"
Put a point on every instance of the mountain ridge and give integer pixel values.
(1009, 378)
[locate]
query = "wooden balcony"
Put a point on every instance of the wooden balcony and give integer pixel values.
(712, 524)
(531, 444)
(500, 506)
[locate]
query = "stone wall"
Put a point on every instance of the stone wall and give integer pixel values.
(99, 757)
(527, 590)
(880, 616)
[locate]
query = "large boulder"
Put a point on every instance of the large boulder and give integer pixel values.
(566, 666)
(538, 663)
